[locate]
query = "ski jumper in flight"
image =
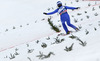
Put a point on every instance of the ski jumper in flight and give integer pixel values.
(64, 16)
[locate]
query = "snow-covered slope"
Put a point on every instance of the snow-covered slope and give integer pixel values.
(25, 34)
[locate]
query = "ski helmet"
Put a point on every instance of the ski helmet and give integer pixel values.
(59, 3)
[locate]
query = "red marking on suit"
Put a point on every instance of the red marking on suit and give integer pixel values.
(63, 12)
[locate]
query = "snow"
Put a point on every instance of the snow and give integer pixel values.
(31, 31)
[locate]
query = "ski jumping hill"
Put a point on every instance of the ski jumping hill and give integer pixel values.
(25, 34)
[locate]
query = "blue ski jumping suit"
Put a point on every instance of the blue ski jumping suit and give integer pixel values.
(64, 16)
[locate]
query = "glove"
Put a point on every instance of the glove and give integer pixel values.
(45, 13)
(78, 8)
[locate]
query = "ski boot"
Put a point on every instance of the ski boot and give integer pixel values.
(68, 32)
(77, 29)
(62, 34)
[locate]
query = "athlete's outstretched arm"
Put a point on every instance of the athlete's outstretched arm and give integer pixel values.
(71, 7)
(55, 11)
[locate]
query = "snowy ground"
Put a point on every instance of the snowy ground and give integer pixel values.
(25, 36)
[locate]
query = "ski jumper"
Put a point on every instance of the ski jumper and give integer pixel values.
(64, 16)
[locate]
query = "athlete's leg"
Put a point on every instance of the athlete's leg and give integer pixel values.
(71, 25)
(65, 27)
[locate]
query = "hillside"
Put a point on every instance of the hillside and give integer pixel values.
(25, 34)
